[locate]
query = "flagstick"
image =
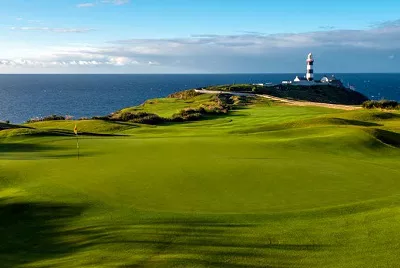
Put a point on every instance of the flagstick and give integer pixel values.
(77, 144)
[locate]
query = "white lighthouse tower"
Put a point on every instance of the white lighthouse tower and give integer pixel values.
(310, 68)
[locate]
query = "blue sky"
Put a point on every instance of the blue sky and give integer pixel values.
(186, 36)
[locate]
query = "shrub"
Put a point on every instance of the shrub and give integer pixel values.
(189, 114)
(139, 117)
(184, 95)
(213, 109)
(105, 118)
(192, 114)
(241, 88)
(382, 104)
(177, 118)
(150, 119)
(52, 117)
(128, 116)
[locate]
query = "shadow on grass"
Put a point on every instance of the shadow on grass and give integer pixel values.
(32, 151)
(350, 122)
(191, 243)
(25, 147)
(61, 132)
(33, 232)
(11, 126)
(388, 137)
(386, 115)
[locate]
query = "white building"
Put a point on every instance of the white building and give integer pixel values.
(308, 79)
(331, 81)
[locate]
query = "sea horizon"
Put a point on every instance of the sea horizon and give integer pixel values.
(27, 96)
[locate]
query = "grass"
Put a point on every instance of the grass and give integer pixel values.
(166, 107)
(265, 186)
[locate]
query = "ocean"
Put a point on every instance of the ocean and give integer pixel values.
(28, 96)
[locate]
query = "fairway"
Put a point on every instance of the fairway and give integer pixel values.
(266, 185)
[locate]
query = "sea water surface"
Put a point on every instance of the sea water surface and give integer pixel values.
(28, 96)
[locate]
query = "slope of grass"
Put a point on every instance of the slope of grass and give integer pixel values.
(264, 186)
(166, 107)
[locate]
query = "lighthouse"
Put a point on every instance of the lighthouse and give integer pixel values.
(310, 68)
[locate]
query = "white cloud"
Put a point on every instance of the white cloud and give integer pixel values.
(153, 63)
(116, 2)
(114, 61)
(392, 57)
(54, 30)
(86, 5)
(121, 61)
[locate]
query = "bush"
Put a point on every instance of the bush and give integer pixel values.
(150, 119)
(52, 117)
(105, 118)
(192, 114)
(184, 95)
(140, 117)
(382, 104)
(241, 88)
(214, 109)
(189, 114)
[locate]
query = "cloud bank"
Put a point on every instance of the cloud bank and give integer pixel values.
(370, 50)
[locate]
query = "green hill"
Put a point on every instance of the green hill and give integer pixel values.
(262, 185)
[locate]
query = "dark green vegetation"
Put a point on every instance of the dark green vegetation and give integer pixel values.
(262, 185)
(318, 93)
(382, 104)
(193, 106)
(47, 118)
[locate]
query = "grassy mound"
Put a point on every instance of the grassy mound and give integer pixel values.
(166, 107)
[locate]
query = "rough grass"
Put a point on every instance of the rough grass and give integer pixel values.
(311, 187)
(166, 107)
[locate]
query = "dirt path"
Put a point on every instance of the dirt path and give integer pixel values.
(290, 102)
